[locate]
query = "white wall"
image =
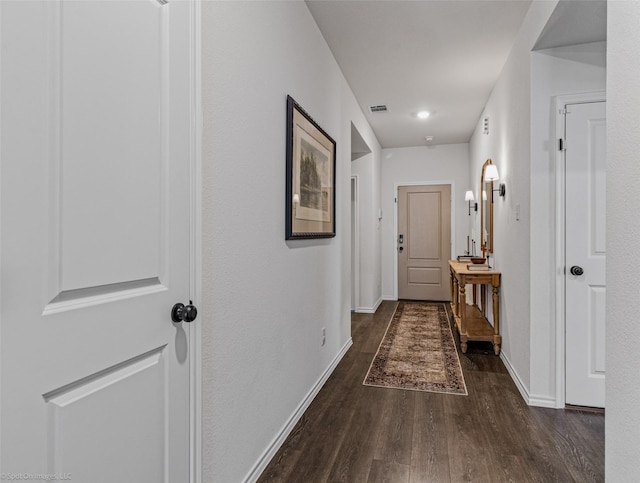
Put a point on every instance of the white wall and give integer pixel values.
(622, 434)
(367, 169)
(508, 144)
(266, 300)
(555, 72)
(442, 164)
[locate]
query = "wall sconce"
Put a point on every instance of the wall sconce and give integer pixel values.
(468, 196)
(491, 174)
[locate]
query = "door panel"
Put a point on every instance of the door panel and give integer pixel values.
(120, 151)
(110, 139)
(95, 249)
(424, 221)
(417, 275)
(135, 393)
(585, 248)
(423, 229)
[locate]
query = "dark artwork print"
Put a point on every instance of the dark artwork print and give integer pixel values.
(313, 167)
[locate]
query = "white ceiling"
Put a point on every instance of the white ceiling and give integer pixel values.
(443, 56)
(575, 22)
(439, 56)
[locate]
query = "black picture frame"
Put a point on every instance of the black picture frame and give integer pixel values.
(310, 208)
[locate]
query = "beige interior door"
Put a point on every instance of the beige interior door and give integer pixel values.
(95, 246)
(424, 242)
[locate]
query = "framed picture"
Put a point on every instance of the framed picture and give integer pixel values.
(311, 177)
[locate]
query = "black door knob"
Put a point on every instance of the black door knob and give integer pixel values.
(576, 270)
(184, 313)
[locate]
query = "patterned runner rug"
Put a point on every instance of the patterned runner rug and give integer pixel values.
(418, 352)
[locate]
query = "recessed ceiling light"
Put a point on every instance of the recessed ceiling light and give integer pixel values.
(423, 114)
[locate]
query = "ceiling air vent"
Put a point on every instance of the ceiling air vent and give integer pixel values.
(380, 108)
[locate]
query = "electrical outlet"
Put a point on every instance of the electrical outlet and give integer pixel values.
(324, 335)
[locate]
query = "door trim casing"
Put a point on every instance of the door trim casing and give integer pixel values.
(355, 221)
(195, 259)
(195, 335)
(560, 306)
(395, 221)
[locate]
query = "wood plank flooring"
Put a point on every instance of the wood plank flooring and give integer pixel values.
(355, 433)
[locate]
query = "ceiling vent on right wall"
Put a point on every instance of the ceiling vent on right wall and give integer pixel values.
(379, 108)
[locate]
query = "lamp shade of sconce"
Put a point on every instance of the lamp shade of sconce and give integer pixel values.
(468, 196)
(296, 199)
(491, 174)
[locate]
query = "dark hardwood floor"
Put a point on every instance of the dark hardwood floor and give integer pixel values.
(356, 433)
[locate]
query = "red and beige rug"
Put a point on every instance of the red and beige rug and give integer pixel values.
(418, 352)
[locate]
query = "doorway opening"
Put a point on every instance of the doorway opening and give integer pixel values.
(359, 148)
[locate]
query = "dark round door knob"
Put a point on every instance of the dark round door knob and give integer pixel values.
(184, 313)
(576, 270)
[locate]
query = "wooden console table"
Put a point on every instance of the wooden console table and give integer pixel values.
(471, 320)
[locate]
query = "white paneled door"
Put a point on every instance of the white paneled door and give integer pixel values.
(424, 242)
(96, 153)
(585, 253)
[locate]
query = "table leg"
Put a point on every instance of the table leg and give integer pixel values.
(463, 327)
(497, 339)
(452, 293)
(456, 297)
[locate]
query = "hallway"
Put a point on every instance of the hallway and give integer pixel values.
(354, 433)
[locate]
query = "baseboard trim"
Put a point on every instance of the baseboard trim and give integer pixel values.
(369, 310)
(530, 399)
(516, 378)
(273, 448)
(542, 402)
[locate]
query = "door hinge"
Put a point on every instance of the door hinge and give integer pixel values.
(395, 200)
(565, 111)
(562, 144)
